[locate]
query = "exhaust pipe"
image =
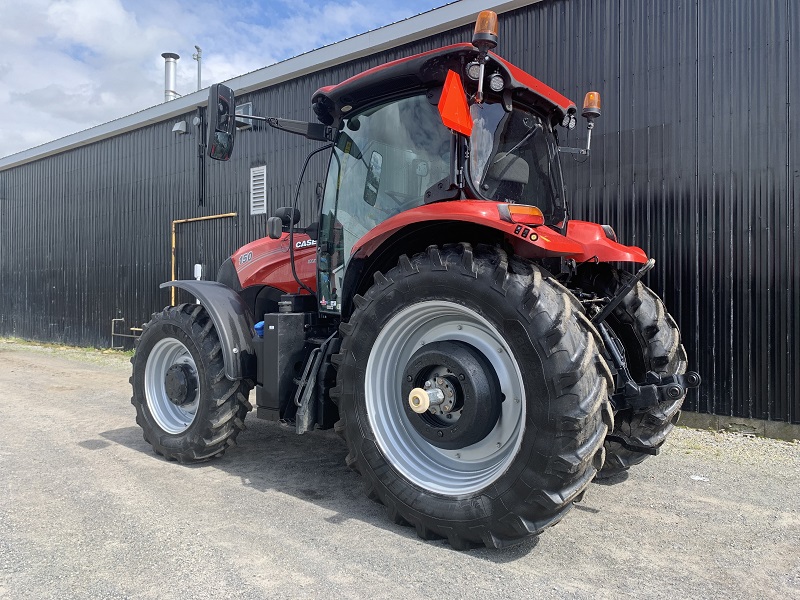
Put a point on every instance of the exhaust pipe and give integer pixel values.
(170, 70)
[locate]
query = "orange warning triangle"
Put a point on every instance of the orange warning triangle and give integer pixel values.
(453, 106)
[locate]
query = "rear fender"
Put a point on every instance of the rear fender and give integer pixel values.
(233, 322)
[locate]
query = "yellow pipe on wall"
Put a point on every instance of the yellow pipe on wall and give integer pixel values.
(174, 243)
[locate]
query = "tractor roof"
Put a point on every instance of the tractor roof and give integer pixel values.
(426, 71)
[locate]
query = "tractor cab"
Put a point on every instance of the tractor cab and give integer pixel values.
(413, 133)
(410, 140)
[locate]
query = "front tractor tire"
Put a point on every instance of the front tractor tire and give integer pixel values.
(187, 409)
(516, 396)
(652, 342)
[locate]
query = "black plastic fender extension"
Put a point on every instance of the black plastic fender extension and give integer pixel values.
(233, 322)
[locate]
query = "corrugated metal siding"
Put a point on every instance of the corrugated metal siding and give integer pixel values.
(694, 159)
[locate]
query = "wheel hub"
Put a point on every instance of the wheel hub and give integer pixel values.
(180, 383)
(450, 472)
(454, 397)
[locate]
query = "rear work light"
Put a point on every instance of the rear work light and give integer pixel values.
(521, 213)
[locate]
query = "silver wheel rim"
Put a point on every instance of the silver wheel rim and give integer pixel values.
(170, 417)
(447, 472)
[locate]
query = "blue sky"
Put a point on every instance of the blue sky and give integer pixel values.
(66, 65)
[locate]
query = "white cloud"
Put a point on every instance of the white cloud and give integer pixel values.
(67, 65)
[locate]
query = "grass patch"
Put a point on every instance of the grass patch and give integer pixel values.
(93, 355)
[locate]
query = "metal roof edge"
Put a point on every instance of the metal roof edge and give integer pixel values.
(444, 18)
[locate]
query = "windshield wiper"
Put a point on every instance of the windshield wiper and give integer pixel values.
(522, 141)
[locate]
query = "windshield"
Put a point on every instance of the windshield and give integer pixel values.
(514, 158)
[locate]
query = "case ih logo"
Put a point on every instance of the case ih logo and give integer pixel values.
(305, 243)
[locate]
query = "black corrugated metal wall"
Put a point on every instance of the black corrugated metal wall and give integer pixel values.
(694, 159)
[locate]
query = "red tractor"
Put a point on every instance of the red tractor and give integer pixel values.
(483, 354)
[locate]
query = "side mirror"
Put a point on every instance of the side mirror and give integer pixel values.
(288, 216)
(274, 228)
(221, 122)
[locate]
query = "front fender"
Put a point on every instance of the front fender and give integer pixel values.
(233, 322)
(597, 245)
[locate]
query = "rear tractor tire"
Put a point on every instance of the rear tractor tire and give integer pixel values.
(652, 342)
(473, 398)
(187, 409)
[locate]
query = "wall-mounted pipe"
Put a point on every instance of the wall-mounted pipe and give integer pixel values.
(174, 242)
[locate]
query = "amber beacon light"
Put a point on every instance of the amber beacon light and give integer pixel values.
(484, 39)
(591, 105)
(485, 36)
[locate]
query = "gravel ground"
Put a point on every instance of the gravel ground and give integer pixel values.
(88, 511)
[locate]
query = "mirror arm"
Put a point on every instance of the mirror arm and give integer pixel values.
(581, 151)
(312, 131)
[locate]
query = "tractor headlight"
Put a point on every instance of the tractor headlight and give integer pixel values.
(496, 83)
(474, 71)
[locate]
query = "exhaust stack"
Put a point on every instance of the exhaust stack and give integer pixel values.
(170, 70)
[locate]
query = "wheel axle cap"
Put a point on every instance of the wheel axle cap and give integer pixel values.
(180, 383)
